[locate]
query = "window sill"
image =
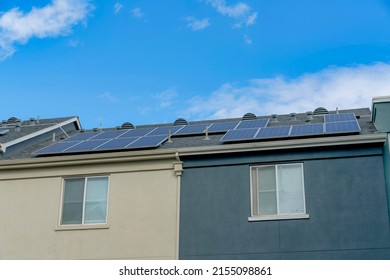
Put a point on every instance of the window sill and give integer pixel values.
(278, 217)
(81, 227)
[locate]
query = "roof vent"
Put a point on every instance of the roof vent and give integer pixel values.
(17, 127)
(127, 125)
(13, 120)
(320, 111)
(249, 116)
(274, 118)
(309, 115)
(33, 121)
(180, 121)
(293, 116)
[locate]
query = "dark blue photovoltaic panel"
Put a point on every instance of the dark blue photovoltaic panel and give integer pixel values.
(164, 130)
(56, 148)
(342, 127)
(307, 129)
(222, 127)
(85, 146)
(81, 136)
(192, 129)
(108, 135)
(136, 132)
(116, 144)
(273, 132)
(148, 142)
(253, 124)
(239, 135)
(340, 117)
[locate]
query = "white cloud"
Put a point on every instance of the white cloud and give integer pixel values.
(237, 10)
(197, 24)
(137, 12)
(107, 96)
(165, 97)
(342, 87)
(73, 43)
(247, 39)
(52, 20)
(118, 7)
(251, 19)
(240, 11)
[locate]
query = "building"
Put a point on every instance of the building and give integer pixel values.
(297, 186)
(120, 205)
(320, 197)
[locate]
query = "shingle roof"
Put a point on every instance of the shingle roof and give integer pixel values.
(363, 116)
(20, 136)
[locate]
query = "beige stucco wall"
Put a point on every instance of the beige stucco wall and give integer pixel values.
(142, 210)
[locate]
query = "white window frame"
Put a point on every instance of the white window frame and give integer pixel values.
(83, 224)
(254, 188)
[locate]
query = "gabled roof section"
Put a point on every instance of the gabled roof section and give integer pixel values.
(17, 135)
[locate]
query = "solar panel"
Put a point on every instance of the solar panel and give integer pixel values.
(136, 132)
(342, 127)
(56, 148)
(252, 124)
(192, 129)
(164, 130)
(116, 144)
(239, 135)
(85, 146)
(108, 134)
(148, 141)
(273, 132)
(307, 129)
(340, 117)
(222, 127)
(82, 136)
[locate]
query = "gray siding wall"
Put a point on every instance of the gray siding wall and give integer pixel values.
(345, 198)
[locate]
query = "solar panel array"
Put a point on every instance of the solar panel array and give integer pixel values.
(235, 131)
(140, 138)
(333, 124)
(91, 142)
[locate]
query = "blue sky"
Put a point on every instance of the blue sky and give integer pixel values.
(149, 61)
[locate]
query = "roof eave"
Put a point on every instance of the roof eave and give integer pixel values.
(285, 144)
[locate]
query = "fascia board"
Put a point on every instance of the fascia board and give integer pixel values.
(285, 144)
(380, 99)
(89, 159)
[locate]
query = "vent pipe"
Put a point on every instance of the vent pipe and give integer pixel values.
(207, 133)
(17, 127)
(293, 116)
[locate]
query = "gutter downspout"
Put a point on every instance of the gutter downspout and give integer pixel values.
(178, 169)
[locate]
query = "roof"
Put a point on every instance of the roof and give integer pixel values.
(213, 140)
(17, 135)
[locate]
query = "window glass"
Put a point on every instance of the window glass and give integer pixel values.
(73, 201)
(267, 190)
(96, 200)
(290, 186)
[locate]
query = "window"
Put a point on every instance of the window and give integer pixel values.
(85, 201)
(278, 192)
